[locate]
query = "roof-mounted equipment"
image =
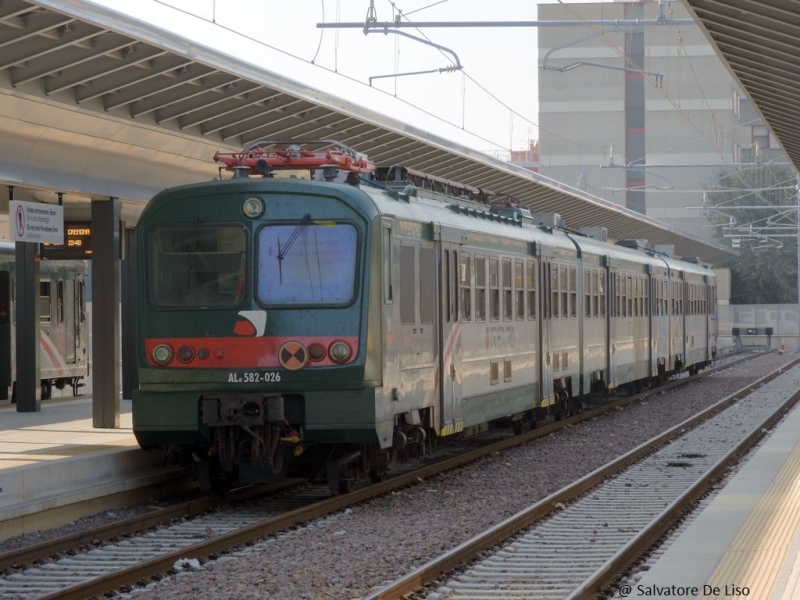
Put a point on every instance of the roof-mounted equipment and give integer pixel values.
(266, 156)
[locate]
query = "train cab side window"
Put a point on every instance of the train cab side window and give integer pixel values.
(494, 288)
(427, 285)
(388, 291)
(408, 285)
(508, 297)
(60, 301)
(552, 280)
(519, 290)
(45, 310)
(530, 288)
(646, 297)
(465, 283)
(563, 282)
(480, 288)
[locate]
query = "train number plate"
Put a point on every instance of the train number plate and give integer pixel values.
(254, 377)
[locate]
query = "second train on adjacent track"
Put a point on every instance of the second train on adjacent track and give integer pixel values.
(336, 328)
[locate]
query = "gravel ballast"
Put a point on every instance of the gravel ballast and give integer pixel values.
(347, 555)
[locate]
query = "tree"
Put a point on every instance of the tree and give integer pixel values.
(765, 272)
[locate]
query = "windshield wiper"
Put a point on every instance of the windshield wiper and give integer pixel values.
(282, 252)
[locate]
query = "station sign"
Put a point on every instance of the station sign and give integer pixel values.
(36, 222)
(77, 243)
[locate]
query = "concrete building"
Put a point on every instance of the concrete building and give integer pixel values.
(616, 95)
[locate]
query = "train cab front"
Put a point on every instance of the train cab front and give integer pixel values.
(252, 336)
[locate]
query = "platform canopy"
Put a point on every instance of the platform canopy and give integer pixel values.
(758, 40)
(95, 102)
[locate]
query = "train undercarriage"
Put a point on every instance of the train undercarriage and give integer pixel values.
(258, 439)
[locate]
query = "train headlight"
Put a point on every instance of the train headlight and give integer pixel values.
(185, 354)
(316, 352)
(253, 207)
(162, 354)
(339, 352)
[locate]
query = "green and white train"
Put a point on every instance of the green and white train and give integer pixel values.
(338, 328)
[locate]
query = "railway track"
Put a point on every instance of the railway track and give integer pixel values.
(85, 567)
(607, 519)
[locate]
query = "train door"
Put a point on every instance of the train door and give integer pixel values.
(451, 278)
(419, 340)
(677, 321)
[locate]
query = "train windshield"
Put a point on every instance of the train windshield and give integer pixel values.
(311, 262)
(198, 266)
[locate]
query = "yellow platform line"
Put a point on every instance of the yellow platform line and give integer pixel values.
(757, 555)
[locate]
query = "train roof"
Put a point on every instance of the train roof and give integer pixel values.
(7, 258)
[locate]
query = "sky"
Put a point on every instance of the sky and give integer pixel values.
(493, 98)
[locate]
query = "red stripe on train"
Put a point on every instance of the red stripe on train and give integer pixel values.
(239, 352)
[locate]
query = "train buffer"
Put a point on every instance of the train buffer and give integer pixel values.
(752, 335)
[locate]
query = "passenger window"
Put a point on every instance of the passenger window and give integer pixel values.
(530, 286)
(454, 284)
(427, 285)
(408, 285)
(563, 286)
(573, 292)
(587, 294)
(480, 288)
(629, 296)
(60, 301)
(465, 282)
(446, 279)
(45, 309)
(82, 298)
(553, 281)
(494, 288)
(601, 290)
(508, 306)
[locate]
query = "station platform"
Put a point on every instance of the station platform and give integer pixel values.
(746, 542)
(55, 465)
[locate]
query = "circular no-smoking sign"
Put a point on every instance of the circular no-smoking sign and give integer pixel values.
(19, 221)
